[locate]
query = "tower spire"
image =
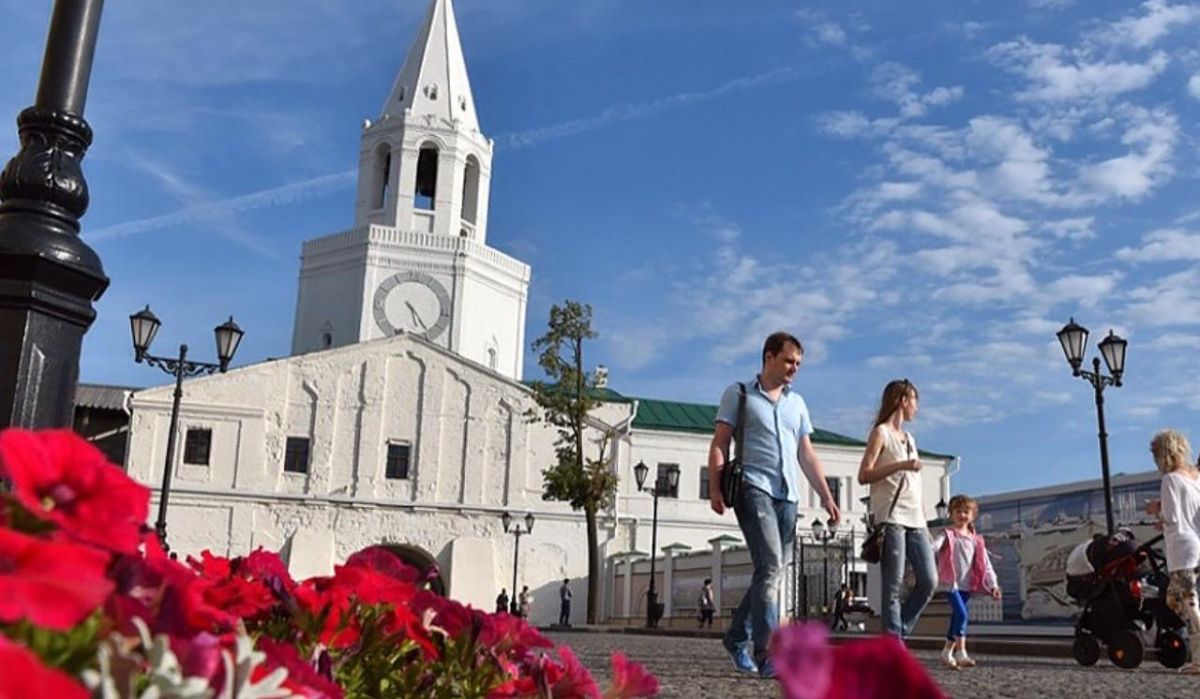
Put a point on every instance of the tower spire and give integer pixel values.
(433, 81)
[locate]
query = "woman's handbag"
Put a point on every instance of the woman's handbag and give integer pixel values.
(872, 545)
(731, 472)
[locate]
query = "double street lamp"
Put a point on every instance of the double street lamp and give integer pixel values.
(664, 484)
(144, 326)
(515, 529)
(1073, 338)
(824, 533)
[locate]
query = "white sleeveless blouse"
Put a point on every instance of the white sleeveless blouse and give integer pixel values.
(910, 511)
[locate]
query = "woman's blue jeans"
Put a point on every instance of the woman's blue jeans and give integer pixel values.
(905, 545)
(768, 526)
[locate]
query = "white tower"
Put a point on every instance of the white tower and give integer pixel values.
(417, 259)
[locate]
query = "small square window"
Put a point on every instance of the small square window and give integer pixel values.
(295, 458)
(704, 483)
(397, 460)
(835, 489)
(662, 482)
(197, 445)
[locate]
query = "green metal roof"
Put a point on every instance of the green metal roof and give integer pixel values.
(670, 416)
(698, 418)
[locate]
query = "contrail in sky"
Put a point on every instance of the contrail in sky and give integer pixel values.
(327, 184)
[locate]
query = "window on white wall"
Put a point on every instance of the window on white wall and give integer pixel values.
(492, 358)
(197, 445)
(704, 483)
(295, 455)
(835, 488)
(398, 455)
(667, 491)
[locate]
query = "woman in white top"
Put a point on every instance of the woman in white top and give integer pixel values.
(1179, 512)
(891, 466)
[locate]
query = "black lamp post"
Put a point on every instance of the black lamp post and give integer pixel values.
(662, 485)
(515, 529)
(1073, 338)
(943, 511)
(824, 533)
(49, 277)
(144, 326)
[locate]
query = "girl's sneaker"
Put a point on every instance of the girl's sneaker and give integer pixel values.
(965, 660)
(1192, 668)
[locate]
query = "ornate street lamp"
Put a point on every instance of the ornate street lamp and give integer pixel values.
(1073, 338)
(516, 530)
(49, 277)
(942, 509)
(824, 532)
(663, 485)
(143, 326)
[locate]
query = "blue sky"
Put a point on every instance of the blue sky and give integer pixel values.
(924, 190)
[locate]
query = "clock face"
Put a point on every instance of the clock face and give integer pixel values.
(414, 302)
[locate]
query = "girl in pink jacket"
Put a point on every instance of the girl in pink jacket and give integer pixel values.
(963, 569)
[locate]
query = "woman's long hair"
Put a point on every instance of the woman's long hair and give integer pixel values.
(893, 397)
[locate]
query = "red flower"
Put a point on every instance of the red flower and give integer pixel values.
(51, 584)
(505, 633)
(630, 680)
(22, 675)
(568, 680)
(61, 478)
(224, 585)
(384, 561)
(876, 668)
(302, 678)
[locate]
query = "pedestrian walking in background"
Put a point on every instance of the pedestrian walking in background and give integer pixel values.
(706, 604)
(564, 596)
(1179, 512)
(525, 602)
(502, 601)
(775, 449)
(891, 466)
(964, 569)
(840, 604)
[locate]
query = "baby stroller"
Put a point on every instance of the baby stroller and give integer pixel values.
(1121, 600)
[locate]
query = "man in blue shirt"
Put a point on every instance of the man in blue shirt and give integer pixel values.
(776, 448)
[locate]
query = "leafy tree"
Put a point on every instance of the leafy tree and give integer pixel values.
(566, 397)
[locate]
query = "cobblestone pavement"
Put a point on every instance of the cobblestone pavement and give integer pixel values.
(699, 667)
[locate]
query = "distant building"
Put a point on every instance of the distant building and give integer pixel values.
(400, 417)
(1031, 532)
(102, 417)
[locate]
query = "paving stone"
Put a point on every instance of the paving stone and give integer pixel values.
(699, 668)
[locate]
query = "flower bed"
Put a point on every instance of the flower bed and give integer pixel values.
(91, 606)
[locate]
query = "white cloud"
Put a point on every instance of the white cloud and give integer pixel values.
(1151, 138)
(1164, 245)
(1159, 19)
(1051, 4)
(635, 111)
(1165, 302)
(1081, 228)
(895, 82)
(1057, 74)
(1084, 290)
(1194, 86)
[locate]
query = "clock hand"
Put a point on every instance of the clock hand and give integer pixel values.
(416, 316)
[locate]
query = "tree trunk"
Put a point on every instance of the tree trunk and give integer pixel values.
(594, 576)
